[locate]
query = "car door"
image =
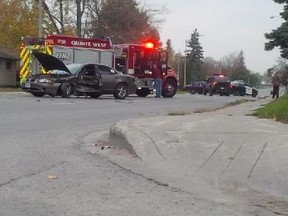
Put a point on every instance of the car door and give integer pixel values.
(109, 77)
(248, 89)
(89, 79)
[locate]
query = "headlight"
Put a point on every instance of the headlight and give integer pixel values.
(44, 81)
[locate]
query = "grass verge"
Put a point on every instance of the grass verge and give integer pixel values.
(276, 110)
(209, 109)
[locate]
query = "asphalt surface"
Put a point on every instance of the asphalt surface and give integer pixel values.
(227, 155)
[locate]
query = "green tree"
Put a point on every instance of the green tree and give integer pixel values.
(279, 37)
(194, 57)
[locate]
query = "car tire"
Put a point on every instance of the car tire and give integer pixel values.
(121, 91)
(254, 93)
(66, 90)
(169, 88)
(38, 94)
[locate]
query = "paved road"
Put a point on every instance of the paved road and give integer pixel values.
(43, 138)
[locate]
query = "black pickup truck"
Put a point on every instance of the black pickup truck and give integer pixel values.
(219, 84)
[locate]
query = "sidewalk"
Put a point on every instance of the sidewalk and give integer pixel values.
(222, 152)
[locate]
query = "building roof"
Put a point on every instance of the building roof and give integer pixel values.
(9, 54)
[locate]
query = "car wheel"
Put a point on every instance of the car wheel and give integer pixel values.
(121, 91)
(169, 88)
(38, 94)
(142, 92)
(66, 90)
(254, 93)
(193, 91)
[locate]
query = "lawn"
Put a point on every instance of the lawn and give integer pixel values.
(277, 110)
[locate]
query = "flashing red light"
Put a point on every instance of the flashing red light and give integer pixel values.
(149, 45)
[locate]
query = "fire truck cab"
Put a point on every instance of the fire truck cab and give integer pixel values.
(137, 60)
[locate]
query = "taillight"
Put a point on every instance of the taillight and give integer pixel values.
(214, 83)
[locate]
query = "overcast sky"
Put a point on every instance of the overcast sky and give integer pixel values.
(226, 26)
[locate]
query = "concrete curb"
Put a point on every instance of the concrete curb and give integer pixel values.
(127, 134)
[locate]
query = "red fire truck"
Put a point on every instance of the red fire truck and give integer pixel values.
(137, 60)
(131, 59)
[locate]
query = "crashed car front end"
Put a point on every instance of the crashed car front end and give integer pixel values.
(40, 84)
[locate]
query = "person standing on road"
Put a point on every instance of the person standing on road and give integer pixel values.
(276, 85)
(156, 73)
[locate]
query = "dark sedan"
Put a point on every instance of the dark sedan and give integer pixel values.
(198, 87)
(89, 79)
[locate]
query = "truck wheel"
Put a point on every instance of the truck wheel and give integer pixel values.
(142, 92)
(38, 94)
(121, 91)
(66, 90)
(169, 88)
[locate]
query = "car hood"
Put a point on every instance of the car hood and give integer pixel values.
(50, 62)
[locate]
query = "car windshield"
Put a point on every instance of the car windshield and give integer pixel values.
(74, 68)
(58, 72)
